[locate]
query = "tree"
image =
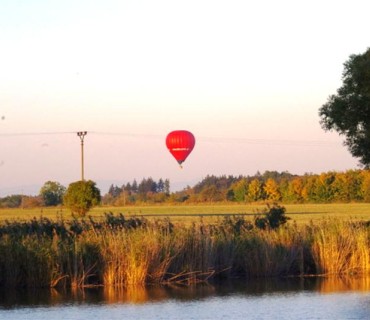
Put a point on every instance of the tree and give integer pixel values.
(309, 192)
(274, 217)
(13, 201)
(230, 195)
(167, 186)
(255, 190)
(284, 190)
(348, 111)
(324, 187)
(142, 187)
(240, 190)
(134, 186)
(128, 187)
(160, 185)
(52, 193)
(347, 186)
(114, 191)
(111, 190)
(365, 187)
(296, 189)
(210, 194)
(272, 190)
(81, 196)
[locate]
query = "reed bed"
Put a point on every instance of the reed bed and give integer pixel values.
(119, 251)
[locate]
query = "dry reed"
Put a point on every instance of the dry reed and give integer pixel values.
(117, 251)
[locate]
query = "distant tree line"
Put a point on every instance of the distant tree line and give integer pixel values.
(13, 201)
(21, 201)
(349, 186)
(147, 191)
(328, 187)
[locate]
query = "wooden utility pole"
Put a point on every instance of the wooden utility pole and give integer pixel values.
(82, 135)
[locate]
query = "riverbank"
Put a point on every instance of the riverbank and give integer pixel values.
(119, 251)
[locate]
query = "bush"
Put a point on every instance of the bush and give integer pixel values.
(274, 217)
(81, 196)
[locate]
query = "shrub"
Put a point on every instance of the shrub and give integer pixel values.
(274, 217)
(81, 196)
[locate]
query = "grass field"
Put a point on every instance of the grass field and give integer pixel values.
(301, 213)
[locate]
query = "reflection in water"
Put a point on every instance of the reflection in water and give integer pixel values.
(344, 284)
(10, 299)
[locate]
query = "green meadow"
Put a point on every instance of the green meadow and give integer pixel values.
(300, 213)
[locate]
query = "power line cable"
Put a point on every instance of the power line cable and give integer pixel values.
(126, 134)
(280, 142)
(33, 134)
(306, 143)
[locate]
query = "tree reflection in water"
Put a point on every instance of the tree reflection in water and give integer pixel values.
(155, 293)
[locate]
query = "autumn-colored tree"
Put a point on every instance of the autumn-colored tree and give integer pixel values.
(339, 187)
(31, 202)
(346, 186)
(354, 183)
(309, 188)
(255, 190)
(210, 194)
(324, 188)
(295, 189)
(272, 190)
(365, 186)
(193, 198)
(123, 198)
(173, 198)
(160, 197)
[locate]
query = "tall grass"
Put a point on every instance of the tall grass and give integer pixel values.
(119, 251)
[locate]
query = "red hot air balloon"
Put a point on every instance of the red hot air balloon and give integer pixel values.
(180, 143)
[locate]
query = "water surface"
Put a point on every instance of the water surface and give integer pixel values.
(291, 298)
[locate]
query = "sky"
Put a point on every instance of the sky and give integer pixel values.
(247, 78)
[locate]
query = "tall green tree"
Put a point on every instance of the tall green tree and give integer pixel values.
(52, 193)
(160, 185)
(81, 196)
(167, 186)
(134, 186)
(348, 111)
(240, 190)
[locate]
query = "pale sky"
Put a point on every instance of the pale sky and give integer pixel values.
(223, 70)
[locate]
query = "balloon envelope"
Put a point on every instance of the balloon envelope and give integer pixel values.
(180, 143)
